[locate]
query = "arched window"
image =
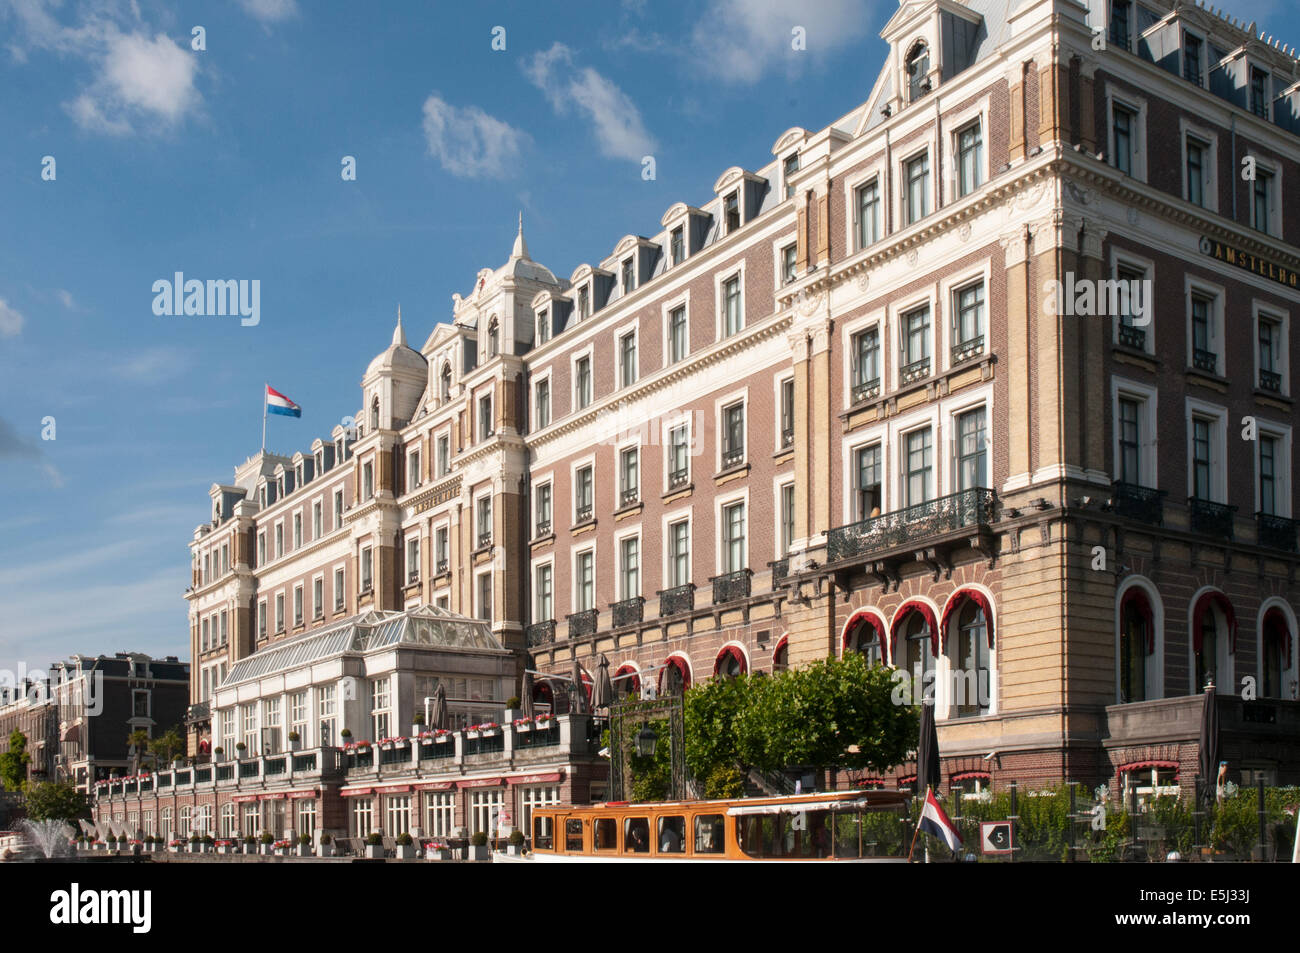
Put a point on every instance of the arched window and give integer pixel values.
(730, 662)
(493, 335)
(1137, 641)
(627, 682)
(674, 677)
(1275, 642)
(864, 633)
(374, 413)
(444, 389)
(970, 658)
(918, 68)
(915, 638)
(781, 655)
(1214, 630)
(543, 696)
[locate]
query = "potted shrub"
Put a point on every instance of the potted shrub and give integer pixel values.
(209, 842)
(250, 844)
(304, 845)
(375, 845)
(294, 739)
(267, 840)
(478, 848)
(436, 850)
(326, 847)
(195, 843)
(512, 708)
(218, 752)
(111, 842)
(419, 724)
(240, 749)
(405, 847)
(346, 735)
(515, 847)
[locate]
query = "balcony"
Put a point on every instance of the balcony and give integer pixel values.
(960, 511)
(731, 586)
(629, 611)
(915, 371)
(678, 478)
(543, 529)
(866, 390)
(677, 600)
(1270, 380)
(583, 623)
(1141, 503)
(1204, 360)
(1276, 532)
(584, 513)
(1130, 336)
(965, 350)
(629, 496)
(413, 577)
(442, 567)
(197, 713)
(787, 438)
(733, 457)
(1210, 519)
(540, 633)
(780, 569)
(484, 539)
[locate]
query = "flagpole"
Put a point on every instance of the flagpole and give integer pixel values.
(916, 832)
(264, 388)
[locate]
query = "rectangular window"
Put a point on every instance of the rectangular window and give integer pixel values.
(440, 537)
(1196, 153)
(866, 364)
(731, 307)
(1123, 120)
(916, 181)
(317, 521)
(866, 481)
(485, 596)
(628, 481)
(279, 540)
(542, 510)
(677, 340)
(543, 590)
(733, 435)
(297, 530)
(789, 168)
(261, 619)
(787, 517)
(787, 413)
(629, 567)
(279, 612)
(972, 452)
(584, 303)
(261, 549)
(582, 494)
(1262, 200)
(412, 470)
(543, 404)
(1270, 349)
(318, 598)
(339, 597)
(485, 416)
(868, 205)
(338, 508)
(733, 538)
(627, 359)
(628, 276)
(582, 384)
(1258, 92)
(1268, 474)
(970, 159)
(789, 262)
(1192, 58)
(919, 464)
(413, 560)
(367, 568)
(679, 553)
(731, 208)
(679, 456)
(586, 581)
(1130, 440)
(326, 713)
(380, 700)
(968, 320)
(1202, 464)
(1120, 11)
(297, 605)
(543, 327)
(483, 520)
(915, 328)
(444, 455)
(367, 481)
(678, 246)
(1203, 356)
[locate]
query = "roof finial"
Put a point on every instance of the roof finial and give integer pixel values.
(399, 336)
(521, 247)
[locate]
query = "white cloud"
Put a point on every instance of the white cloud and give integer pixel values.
(11, 321)
(270, 11)
(738, 41)
(65, 298)
(616, 122)
(468, 142)
(151, 364)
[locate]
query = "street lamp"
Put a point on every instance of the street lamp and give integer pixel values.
(646, 739)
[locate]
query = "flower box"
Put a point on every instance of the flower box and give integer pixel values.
(303, 850)
(434, 851)
(514, 851)
(473, 852)
(375, 851)
(406, 852)
(226, 849)
(325, 850)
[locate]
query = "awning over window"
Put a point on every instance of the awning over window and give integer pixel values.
(481, 783)
(901, 618)
(355, 792)
(1136, 597)
(1213, 598)
(780, 644)
(955, 602)
(1140, 765)
(857, 620)
(549, 778)
(1275, 621)
(970, 776)
(679, 663)
(730, 651)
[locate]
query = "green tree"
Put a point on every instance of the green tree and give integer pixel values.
(56, 801)
(13, 763)
(139, 739)
(169, 745)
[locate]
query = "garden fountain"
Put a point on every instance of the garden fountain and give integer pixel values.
(51, 837)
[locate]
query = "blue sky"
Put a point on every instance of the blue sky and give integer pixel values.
(225, 163)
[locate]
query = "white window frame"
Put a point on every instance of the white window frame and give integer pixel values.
(1281, 317)
(1123, 258)
(958, 123)
(1218, 449)
(1126, 388)
(875, 170)
(574, 580)
(670, 305)
(574, 467)
(977, 274)
(476, 498)
(547, 479)
(478, 594)
(927, 148)
(318, 610)
(685, 514)
(1282, 477)
(779, 245)
(334, 575)
(720, 279)
(777, 381)
(633, 328)
(720, 503)
(1138, 106)
(719, 422)
(632, 532)
(1201, 288)
(670, 424)
(848, 332)
(633, 443)
(536, 564)
(574, 358)
(1274, 170)
(1210, 167)
(543, 377)
(891, 331)
(780, 546)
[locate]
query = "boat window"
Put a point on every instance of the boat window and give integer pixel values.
(605, 833)
(542, 837)
(573, 835)
(799, 834)
(708, 834)
(672, 835)
(636, 835)
(848, 834)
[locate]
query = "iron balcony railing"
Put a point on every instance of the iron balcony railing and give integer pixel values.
(780, 569)
(1135, 338)
(1270, 380)
(866, 390)
(540, 633)
(484, 540)
(914, 371)
(584, 513)
(787, 438)
(1142, 503)
(1210, 519)
(1204, 360)
(442, 567)
(629, 611)
(543, 528)
(965, 350)
(678, 478)
(583, 623)
(731, 586)
(677, 600)
(964, 509)
(199, 711)
(629, 496)
(413, 577)
(1276, 532)
(733, 457)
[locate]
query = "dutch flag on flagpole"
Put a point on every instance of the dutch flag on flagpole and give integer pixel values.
(935, 821)
(273, 402)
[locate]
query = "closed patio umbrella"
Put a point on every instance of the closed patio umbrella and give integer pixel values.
(1209, 763)
(927, 751)
(577, 691)
(438, 717)
(602, 693)
(526, 698)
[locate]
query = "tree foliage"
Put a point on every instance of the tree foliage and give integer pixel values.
(56, 801)
(169, 745)
(13, 763)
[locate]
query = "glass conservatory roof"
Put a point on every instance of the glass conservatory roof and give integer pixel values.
(423, 626)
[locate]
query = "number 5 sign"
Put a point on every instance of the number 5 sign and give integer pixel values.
(995, 837)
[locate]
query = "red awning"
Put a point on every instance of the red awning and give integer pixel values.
(629, 674)
(862, 615)
(394, 789)
(970, 775)
(535, 778)
(1139, 765)
(481, 783)
(1275, 618)
(955, 602)
(1213, 598)
(270, 797)
(301, 795)
(355, 792)
(780, 644)
(1137, 597)
(243, 798)
(436, 786)
(733, 652)
(927, 613)
(679, 663)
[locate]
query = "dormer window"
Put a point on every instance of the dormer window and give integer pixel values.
(261, 495)
(731, 208)
(918, 69)
(584, 303)
(790, 167)
(628, 276)
(1120, 10)
(543, 327)
(1259, 92)
(445, 389)
(374, 414)
(1192, 58)
(297, 475)
(279, 486)
(493, 335)
(678, 245)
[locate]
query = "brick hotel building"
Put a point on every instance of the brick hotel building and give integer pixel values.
(836, 407)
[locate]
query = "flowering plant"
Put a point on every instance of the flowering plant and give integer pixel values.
(483, 726)
(282, 845)
(434, 845)
(225, 843)
(436, 733)
(176, 842)
(395, 740)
